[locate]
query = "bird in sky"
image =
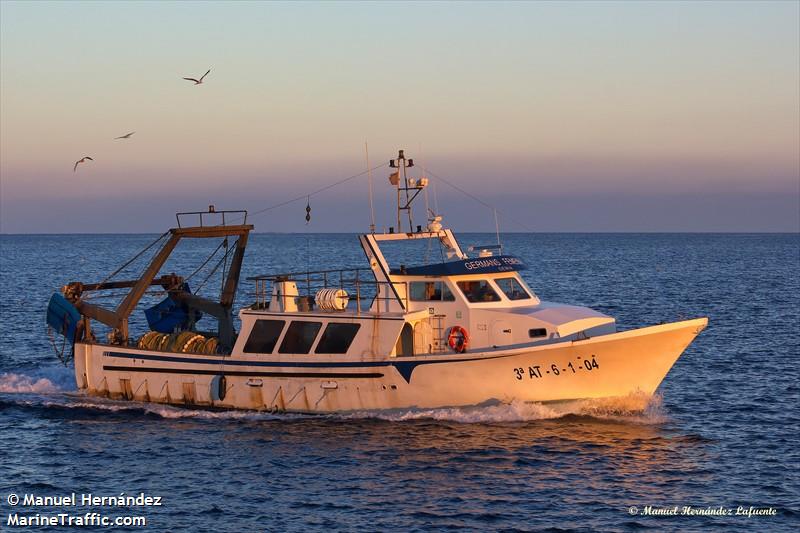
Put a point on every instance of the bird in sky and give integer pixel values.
(81, 160)
(126, 136)
(198, 82)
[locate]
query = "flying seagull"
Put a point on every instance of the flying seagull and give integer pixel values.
(81, 160)
(198, 82)
(126, 136)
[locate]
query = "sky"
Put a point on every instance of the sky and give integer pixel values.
(564, 116)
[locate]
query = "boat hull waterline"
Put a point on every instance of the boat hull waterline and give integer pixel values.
(606, 366)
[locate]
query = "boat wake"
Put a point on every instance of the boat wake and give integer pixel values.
(53, 388)
(639, 407)
(45, 381)
(76, 402)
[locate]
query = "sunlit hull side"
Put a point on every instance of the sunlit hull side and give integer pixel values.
(606, 366)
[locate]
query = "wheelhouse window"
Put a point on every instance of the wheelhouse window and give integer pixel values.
(430, 291)
(337, 338)
(264, 336)
(299, 337)
(478, 291)
(512, 288)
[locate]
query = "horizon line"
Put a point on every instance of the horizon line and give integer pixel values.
(460, 232)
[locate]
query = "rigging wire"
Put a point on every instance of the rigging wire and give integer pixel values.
(134, 258)
(318, 191)
(214, 253)
(308, 196)
(465, 193)
(308, 235)
(224, 267)
(427, 203)
(216, 267)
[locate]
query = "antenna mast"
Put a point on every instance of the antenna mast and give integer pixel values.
(369, 179)
(410, 186)
(497, 227)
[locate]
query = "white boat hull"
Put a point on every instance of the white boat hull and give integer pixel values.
(606, 366)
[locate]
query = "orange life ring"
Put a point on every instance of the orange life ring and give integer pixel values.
(458, 339)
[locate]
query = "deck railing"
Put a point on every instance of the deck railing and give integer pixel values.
(359, 283)
(238, 216)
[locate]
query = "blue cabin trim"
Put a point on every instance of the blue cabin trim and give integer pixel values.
(477, 265)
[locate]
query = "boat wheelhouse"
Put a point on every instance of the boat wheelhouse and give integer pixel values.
(458, 331)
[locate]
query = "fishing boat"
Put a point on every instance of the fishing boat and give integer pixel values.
(460, 330)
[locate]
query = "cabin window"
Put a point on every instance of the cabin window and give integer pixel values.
(337, 338)
(299, 337)
(478, 291)
(430, 291)
(512, 288)
(537, 332)
(264, 336)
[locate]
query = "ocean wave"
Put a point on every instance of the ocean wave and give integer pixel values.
(505, 412)
(44, 381)
(171, 412)
(68, 401)
(637, 407)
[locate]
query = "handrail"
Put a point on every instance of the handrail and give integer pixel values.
(310, 282)
(212, 211)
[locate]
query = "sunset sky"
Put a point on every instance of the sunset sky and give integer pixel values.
(578, 116)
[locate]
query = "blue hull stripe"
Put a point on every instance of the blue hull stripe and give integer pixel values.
(405, 368)
(245, 373)
(233, 362)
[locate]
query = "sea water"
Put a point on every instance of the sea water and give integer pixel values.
(722, 432)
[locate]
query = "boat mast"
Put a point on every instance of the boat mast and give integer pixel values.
(410, 187)
(369, 179)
